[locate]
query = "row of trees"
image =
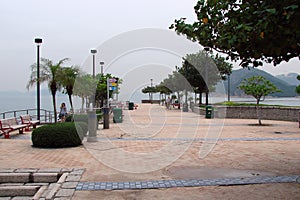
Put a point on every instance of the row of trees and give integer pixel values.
(71, 81)
(200, 72)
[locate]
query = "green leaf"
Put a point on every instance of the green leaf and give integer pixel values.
(291, 7)
(271, 10)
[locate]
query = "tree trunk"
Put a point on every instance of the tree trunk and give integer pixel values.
(178, 100)
(200, 98)
(54, 107)
(258, 112)
(71, 103)
(206, 96)
(82, 103)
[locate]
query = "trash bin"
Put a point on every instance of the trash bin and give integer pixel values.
(185, 107)
(130, 106)
(117, 115)
(209, 112)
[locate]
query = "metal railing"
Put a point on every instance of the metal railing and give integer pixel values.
(45, 117)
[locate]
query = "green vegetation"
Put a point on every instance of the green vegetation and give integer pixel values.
(69, 75)
(51, 73)
(83, 127)
(250, 31)
(231, 103)
(237, 76)
(258, 87)
(72, 81)
(298, 87)
(200, 72)
(58, 135)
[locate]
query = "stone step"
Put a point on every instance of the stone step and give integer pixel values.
(10, 191)
(29, 177)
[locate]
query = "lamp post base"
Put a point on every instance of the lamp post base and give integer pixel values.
(91, 139)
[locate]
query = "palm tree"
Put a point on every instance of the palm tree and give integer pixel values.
(84, 87)
(68, 80)
(51, 73)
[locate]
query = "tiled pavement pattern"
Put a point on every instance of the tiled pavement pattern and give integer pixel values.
(26, 137)
(184, 183)
(41, 184)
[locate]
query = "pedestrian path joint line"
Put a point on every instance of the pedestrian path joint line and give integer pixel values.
(200, 139)
(185, 183)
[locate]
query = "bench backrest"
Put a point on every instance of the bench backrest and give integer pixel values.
(8, 122)
(25, 118)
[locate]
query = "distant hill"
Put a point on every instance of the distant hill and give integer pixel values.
(237, 76)
(290, 78)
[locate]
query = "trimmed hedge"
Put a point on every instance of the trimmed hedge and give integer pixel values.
(58, 135)
(83, 117)
(77, 118)
(84, 128)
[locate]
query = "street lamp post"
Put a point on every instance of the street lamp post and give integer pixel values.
(92, 118)
(38, 42)
(93, 51)
(101, 64)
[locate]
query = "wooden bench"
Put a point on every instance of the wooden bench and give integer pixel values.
(27, 119)
(10, 124)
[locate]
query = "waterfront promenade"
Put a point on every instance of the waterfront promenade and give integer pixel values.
(168, 154)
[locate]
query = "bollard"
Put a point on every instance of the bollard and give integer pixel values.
(92, 122)
(105, 118)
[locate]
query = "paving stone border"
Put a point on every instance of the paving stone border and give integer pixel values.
(185, 183)
(39, 184)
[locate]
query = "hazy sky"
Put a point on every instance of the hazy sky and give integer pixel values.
(70, 28)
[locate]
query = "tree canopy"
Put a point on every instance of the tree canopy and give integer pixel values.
(258, 87)
(251, 31)
(49, 72)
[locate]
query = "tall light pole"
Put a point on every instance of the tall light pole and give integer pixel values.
(38, 42)
(101, 64)
(94, 51)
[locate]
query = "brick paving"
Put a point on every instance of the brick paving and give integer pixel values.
(273, 148)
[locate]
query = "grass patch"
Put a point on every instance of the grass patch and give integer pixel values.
(231, 103)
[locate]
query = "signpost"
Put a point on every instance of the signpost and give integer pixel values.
(112, 85)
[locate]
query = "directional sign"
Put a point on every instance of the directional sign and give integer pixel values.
(113, 84)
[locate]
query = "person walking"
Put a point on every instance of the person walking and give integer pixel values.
(168, 103)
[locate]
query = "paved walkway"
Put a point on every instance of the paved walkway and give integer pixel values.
(178, 153)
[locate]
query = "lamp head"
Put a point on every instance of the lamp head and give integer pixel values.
(38, 41)
(93, 51)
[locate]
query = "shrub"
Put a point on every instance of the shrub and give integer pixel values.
(83, 127)
(80, 118)
(99, 114)
(83, 117)
(57, 135)
(69, 118)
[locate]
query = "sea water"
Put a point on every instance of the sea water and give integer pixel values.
(23, 102)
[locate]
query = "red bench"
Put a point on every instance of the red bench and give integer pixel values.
(27, 120)
(10, 124)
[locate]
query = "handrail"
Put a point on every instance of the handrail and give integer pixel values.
(47, 116)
